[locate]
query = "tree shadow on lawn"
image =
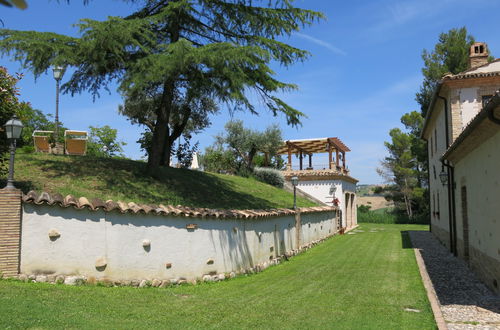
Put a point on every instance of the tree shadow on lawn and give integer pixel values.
(453, 281)
(168, 186)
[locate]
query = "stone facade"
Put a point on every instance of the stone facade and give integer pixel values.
(487, 268)
(10, 231)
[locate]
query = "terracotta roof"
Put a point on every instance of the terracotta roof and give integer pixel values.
(319, 174)
(313, 146)
(44, 198)
(466, 75)
(324, 172)
(475, 68)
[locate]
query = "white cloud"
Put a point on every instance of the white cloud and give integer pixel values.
(322, 43)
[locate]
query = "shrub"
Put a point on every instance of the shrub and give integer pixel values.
(270, 176)
(364, 208)
(388, 217)
(218, 161)
(27, 149)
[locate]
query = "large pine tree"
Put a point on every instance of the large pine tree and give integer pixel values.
(176, 61)
(450, 55)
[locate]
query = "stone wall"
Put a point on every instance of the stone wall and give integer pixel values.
(10, 231)
(90, 242)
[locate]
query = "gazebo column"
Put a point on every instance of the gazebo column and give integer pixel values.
(310, 161)
(343, 159)
(330, 160)
(337, 158)
(301, 156)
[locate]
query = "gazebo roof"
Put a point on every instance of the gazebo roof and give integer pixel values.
(313, 146)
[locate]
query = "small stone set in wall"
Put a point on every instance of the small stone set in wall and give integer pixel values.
(80, 280)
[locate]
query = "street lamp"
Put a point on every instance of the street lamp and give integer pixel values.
(295, 182)
(58, 72)
(13, 129)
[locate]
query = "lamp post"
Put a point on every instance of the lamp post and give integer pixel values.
(13, 128)
(58, 72)
(295, 182)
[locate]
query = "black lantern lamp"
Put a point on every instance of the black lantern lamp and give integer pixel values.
(13, 129)
(443, 176)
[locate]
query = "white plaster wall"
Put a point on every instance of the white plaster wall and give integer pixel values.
(87, 236)
(469, 105)
(438, 144)
(482, 179)
(320, 189)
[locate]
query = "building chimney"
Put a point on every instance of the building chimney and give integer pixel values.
(478, 54)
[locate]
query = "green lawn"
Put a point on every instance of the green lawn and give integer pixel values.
(123, 179)
(359, 281)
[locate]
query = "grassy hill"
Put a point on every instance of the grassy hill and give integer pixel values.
(123, 179)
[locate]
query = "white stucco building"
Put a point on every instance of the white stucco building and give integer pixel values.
(325, 183)
(462, 130)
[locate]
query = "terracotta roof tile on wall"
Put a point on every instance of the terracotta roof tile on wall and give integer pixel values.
(95, 204)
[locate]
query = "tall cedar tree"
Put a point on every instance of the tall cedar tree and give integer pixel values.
(175, 59)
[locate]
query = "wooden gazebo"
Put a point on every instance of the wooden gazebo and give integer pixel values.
(308, 147)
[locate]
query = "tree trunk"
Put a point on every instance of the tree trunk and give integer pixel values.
(251, 155)
(167, 151)
(176, 133)
(160, 134)
(407, 199)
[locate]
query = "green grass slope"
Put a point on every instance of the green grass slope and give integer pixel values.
(366, 280)
(123, 179)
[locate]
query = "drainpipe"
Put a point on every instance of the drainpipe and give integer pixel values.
(451, 189)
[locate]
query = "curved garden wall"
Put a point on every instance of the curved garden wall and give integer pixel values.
(66, 236)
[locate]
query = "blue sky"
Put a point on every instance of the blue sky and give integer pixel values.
(362, 77)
